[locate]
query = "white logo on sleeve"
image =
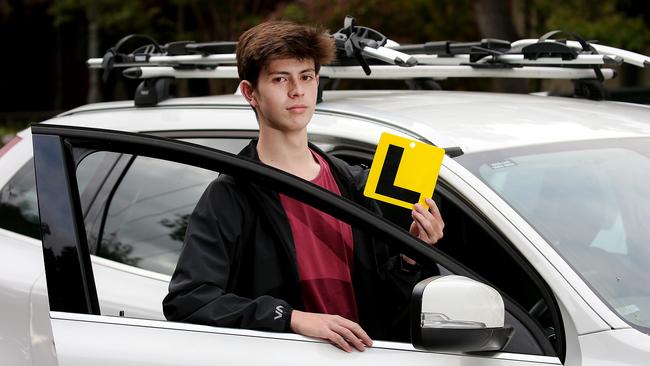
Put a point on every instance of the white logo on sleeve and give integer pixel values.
(279, 310)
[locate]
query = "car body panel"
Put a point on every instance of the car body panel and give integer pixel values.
(169, 343)
(43, 349)
(615, 347)
(145, 303)
(20, 267)
(485, 121)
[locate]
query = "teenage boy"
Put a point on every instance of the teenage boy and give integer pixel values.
(257, 259)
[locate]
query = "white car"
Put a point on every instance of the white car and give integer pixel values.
(544, 199)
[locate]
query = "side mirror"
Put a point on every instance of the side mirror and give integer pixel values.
(455, 313)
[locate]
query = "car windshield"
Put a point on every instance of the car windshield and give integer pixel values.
(591, 201)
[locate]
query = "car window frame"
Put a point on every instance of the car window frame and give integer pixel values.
(61, 140)
(208, 158)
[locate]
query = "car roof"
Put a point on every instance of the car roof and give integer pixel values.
(474, 121)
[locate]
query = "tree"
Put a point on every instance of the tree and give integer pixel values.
(606, 21)
(109, 19)
(494, 19)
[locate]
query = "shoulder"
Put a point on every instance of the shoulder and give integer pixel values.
(224, 194)
(354, 174)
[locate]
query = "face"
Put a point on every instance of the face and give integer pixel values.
(285, 95)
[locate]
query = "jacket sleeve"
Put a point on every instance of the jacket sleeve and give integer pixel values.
(198, 288)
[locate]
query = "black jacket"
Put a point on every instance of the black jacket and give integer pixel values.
(238, 265)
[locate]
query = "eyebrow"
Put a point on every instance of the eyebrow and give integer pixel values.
(288, 73)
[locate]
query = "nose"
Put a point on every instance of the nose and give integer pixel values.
(295, 89)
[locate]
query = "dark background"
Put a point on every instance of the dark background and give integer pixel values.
(45, 43)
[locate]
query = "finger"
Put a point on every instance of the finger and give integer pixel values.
(433, 208)
(424, 224)
(425, 212)
(433, 220)
(350, 337)
(419, 208)
(357, 330)
(339, 341)
(426, 237)
(414, 229)
(430, 232)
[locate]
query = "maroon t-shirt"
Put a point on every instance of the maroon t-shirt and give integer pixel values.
(324, 251)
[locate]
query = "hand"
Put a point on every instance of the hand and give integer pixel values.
(427, 224)
(341, 332)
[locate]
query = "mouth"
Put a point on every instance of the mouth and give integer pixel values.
(297, 108)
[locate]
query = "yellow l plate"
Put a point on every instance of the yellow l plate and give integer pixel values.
(403, 171)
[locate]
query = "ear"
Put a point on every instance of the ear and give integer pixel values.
(248, 92)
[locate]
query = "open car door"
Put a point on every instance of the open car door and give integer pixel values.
(83, 335)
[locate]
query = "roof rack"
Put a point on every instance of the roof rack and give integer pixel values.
(364, 53)
(380, 72)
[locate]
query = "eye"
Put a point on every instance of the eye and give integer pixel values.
(279, 79)
(307, 77)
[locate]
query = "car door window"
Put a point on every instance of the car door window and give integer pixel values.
(147, 215)
(141, 214)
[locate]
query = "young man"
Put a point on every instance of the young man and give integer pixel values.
(257, 259)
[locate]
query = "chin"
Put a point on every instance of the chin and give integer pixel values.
(297, 122)
(290, 126)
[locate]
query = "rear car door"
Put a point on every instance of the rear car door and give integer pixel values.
(84, 334)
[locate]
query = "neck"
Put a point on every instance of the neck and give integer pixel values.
(287, 151)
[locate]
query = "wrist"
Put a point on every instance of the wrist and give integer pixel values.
(294, 320)
(408, 265)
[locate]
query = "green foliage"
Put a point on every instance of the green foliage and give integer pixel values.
(66, 11)
(602, 21)
(403, 21)
(113, 16)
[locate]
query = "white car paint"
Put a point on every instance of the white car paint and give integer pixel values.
(202, 345)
